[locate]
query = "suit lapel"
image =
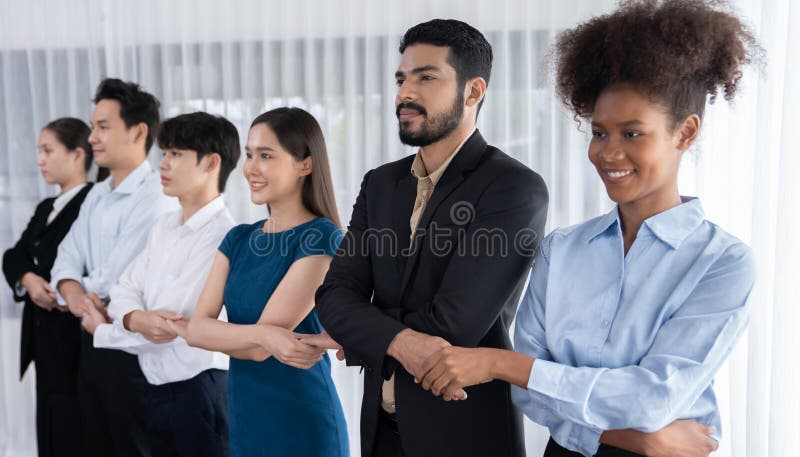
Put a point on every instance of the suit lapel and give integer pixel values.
(405, 193)
(76, 200)
(464, 161)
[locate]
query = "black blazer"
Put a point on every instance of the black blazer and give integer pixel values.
(35, 252)
(461, 280)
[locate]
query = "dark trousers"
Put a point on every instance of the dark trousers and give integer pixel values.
(387, 437)
(56, 348)
(189, 418)
(113, 401)
(555, 450)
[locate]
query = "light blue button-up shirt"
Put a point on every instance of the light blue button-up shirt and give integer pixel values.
(631, 341)
(111, 230)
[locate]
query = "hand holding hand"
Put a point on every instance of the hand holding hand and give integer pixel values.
(412, 349)
(451, 369)
(287, 347)
(152, 325)
(179, 325)
(92, 319)
(39, 290)
(323, 341)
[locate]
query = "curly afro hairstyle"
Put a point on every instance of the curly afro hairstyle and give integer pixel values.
(677, 52)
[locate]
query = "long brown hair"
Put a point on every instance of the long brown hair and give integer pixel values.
(300, 135)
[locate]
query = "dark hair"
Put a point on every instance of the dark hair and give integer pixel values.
(678, 52)
(470, 54)
(300, 134)
(135, 105)
(205, 134)
(74, 133)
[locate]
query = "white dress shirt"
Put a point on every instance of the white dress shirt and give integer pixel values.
(168, 275)
(111, 229)
(61, 201)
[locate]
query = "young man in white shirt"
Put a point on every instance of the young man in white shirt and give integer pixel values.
(111, 229)
(186, 392)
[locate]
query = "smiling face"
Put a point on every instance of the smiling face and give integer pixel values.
(635, 148)
(57, 164)
(272, 173)
(429, 102)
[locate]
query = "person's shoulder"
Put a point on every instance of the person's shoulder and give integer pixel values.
(324, 224)
(236, 236)
(241, 230)
(729, 250)
(223, 221)
(503, 166)
(393, 170)
(319, 236)
(570, 234)
(328, 229)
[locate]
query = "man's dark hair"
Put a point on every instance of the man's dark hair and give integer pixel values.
(470, 53)
(135, 105)
(205, 134)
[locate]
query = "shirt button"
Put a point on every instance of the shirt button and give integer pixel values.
(605, 324)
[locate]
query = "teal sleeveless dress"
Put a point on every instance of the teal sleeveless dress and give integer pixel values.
(276, 410)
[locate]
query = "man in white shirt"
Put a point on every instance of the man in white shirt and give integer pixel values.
(110, 231)
(187, 397)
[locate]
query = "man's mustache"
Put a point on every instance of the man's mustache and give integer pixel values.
(410, 105)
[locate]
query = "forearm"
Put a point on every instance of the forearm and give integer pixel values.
(232, 339)
(71, 290)
(363, 329)
(257, 354)
(628, 439)
(111, 336)
(509, 366)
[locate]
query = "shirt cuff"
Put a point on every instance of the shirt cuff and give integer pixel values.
(20, 290)
(118, 309)
(585, 440)
(568, 386)
(102, 336)
(545, 376)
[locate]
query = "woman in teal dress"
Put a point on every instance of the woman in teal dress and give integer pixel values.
(281, 398)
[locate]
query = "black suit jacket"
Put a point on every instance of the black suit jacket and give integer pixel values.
(460, 280)
(56, 333)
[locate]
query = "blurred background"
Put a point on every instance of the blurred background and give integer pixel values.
(337, 59)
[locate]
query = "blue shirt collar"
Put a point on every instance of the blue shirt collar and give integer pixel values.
(671, 226)
(133, 180)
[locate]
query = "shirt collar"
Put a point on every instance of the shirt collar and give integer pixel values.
(675, 224)
(419, 171)
(133, 180)
(603, 223)
(671, 226)
(202, 216)
(61, 201)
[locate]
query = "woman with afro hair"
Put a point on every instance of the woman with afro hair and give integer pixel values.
(628, 316)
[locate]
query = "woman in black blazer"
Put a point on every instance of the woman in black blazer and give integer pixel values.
(50, 334)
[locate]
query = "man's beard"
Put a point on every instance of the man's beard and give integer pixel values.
(433, 128)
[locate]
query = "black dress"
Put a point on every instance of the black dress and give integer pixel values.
(50, 339)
